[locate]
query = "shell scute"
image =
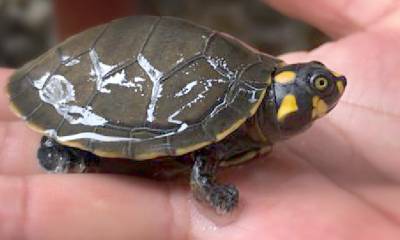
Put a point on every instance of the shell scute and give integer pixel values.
(229, 55)
(174, 42)
(126, 37)
(189, 95)
(79, 44)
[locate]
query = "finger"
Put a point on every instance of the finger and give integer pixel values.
(369, 59)
(5, 112)
(370, 62)
(337, 18)
(18, 146)
(113, 207)
(87, 207)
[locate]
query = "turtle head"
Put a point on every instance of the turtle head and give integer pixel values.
(304, 92)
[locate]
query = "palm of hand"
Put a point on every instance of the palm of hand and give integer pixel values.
(339, 180)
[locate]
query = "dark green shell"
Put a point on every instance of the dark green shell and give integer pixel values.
(142, 87)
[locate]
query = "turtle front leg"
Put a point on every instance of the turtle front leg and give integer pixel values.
(56, 158)
(222, 197)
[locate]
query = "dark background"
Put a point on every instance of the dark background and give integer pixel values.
(29, 27)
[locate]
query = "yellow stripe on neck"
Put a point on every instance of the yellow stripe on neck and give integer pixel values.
(288, 106)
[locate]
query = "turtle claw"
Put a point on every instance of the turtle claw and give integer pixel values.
(223, 198)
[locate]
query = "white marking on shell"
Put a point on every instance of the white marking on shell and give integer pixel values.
(186, 89)
(221, 66)
(252, 99)
(72, 62)
(58, 92)
(85, 116)
(139, 79)
(182, 127)
(69, 62)
(155, 76)
(120, 80)
(180, 60)
(98, 137)
(172, 116)
(41, 81)
(100, 69)
(87, 135)
(207, 84)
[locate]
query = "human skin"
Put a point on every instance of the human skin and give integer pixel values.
(338, 180)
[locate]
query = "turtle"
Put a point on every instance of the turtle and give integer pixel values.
(154, 89)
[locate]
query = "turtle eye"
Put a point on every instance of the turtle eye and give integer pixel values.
(321, 83)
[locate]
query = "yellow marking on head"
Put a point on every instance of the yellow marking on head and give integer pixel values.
(288, 105)
(319, 107)
(285, 77)
(340, 87)
(315, 100)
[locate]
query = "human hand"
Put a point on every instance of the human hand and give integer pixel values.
(338, 180)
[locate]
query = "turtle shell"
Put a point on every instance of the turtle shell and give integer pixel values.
(142, 87)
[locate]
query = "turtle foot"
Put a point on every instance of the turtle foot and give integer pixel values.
(205, 188)
(56, 158)
(223, 198)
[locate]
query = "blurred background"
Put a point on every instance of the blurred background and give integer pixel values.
(30, 27)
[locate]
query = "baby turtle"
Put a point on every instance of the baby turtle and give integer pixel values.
(163, 89)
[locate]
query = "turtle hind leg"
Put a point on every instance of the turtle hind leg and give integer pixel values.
(222, 197)
(56, 158)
